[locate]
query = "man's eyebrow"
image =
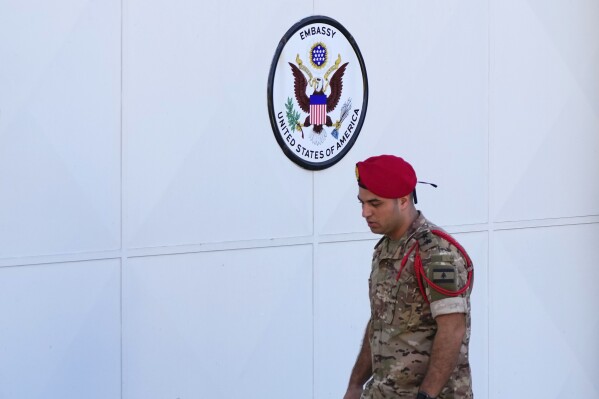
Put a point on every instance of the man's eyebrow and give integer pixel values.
(370, 201)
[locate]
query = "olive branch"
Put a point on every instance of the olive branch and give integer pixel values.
(292, 115)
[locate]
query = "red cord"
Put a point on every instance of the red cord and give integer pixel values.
(405, 259)
(420, 273)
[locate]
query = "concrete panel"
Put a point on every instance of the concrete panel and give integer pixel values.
(60, 328)
(59, 127)
(202, 163)
(544, 320)
(428, 73)
(545, 109)
(219, 325)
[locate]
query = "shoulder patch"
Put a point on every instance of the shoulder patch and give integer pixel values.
(441, 266)
(444, 276)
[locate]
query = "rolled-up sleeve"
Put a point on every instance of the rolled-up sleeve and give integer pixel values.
(448, 306)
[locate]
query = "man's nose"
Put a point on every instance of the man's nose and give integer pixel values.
(366, 211)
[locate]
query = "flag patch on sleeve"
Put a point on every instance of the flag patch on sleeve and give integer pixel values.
(443, 275)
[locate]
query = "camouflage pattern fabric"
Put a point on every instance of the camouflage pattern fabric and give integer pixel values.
(402, 325)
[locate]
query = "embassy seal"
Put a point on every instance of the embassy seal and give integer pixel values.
(317, 92)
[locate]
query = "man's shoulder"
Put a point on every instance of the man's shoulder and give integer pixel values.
(427, 238)
(433, 240)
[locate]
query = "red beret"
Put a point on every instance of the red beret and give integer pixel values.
(387, 176)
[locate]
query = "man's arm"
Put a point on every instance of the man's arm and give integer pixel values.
(445, 352)
(362, 370)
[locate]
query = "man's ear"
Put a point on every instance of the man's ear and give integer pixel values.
(403, 201)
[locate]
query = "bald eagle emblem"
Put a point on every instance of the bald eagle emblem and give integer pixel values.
(324, 96)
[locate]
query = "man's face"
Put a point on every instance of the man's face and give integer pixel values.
(383, 215)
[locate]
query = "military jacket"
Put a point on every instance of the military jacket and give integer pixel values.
(402, 325)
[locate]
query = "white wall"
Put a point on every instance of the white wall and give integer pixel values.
(157, 243)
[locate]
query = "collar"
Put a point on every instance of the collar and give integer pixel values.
(393, 248)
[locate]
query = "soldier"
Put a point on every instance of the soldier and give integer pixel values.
(416, 342)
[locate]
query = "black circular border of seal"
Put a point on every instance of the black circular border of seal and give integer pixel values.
(271, 77)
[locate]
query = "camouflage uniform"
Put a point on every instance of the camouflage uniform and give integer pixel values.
(402, 326)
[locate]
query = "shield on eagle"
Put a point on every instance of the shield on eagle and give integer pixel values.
(318, 109)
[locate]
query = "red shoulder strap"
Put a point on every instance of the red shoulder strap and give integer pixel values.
(421, 275)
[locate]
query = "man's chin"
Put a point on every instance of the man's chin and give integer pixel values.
(376, 229)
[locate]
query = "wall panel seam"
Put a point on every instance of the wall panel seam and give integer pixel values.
(313, 240)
